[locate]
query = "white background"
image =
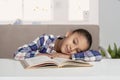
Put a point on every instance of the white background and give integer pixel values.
(109, 20)
(49, 11)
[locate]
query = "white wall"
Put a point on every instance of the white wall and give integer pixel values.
(109, 20)
(61, 13)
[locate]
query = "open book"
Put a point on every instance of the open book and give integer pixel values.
(43, 61)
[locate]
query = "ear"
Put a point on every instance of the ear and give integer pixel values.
(68, 33)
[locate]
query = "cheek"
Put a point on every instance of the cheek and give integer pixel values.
(65, 43)
(62, 48)
(84, 46)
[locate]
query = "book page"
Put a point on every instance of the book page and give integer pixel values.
(75, 64)
(38, 60)
(59, 61)
(68, 62)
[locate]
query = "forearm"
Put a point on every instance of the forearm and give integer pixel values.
(54, 55)
(61, 55)
(28, 50)
(90, 55)
(24, 55)
(44, 54)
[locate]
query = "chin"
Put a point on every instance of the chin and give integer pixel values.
(66, 53)
(63, 52)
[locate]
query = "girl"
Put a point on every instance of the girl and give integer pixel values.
(71, 46)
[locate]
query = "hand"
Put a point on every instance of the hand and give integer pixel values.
(54, 55)
(61, 55)
(41, 54)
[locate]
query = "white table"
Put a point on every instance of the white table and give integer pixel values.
(107, 69)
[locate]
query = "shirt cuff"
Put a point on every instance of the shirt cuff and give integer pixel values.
(73, 57)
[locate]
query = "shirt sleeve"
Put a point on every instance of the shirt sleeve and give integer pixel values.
(90, 55)
(29, 50)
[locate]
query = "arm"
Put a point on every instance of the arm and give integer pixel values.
(31, 49)
(54, 55)
(61, 55)
(89, 55)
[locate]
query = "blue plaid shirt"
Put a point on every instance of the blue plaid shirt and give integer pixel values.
(45, 44)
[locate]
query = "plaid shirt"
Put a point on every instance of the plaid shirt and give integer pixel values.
(45, 44)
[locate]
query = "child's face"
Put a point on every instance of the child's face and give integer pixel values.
(73, 43)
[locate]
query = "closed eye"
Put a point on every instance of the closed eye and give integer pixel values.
(74, 41)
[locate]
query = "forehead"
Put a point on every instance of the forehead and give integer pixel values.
(76, 35)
